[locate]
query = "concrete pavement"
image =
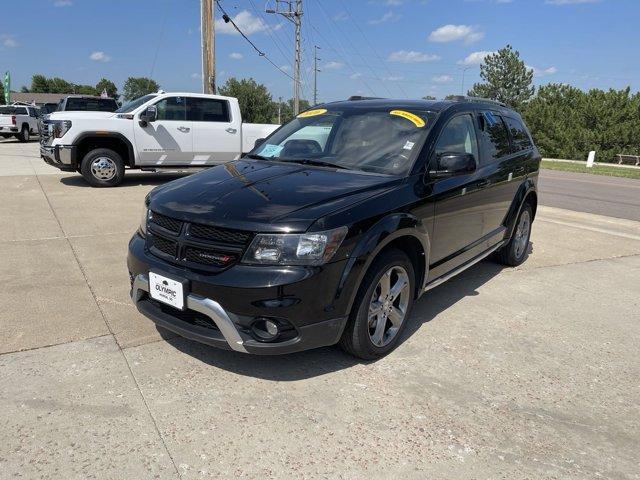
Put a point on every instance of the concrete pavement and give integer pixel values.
(503, 373)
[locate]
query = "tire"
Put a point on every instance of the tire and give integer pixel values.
(102, 167)
(361, 336)
(24, 134)
(516, 251)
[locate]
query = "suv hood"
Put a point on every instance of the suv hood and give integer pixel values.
(265, 196)
(71, 115)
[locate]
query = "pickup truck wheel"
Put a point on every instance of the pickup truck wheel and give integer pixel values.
(102, 167)
(516, 251)
(381, 308)
(24, 134)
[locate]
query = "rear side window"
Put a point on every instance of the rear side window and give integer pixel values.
(172, 108)
(494, 135)
(519, 135)
(207, 110)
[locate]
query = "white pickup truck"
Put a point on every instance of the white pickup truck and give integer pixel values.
(20, 121)
(156, 131)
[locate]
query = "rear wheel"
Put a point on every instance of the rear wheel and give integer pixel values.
(24, 135)
(102, 167)
(517, 250)
(381, 307)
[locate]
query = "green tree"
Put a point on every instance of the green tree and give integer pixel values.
(84, 89)
(107, 85)
(287, 109)
(429, 97)
(39, 84)
(1, 93)
(255, 100)
(59, 85)
(506, 78)
(135, 87)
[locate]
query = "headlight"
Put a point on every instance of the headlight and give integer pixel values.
(295, 249)
(60, 127)
(143, 221)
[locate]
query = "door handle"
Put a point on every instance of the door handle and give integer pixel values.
(231, 130)
(184, 129)
(483, 183)
(519, 170)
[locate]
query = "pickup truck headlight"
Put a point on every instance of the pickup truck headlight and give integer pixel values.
(315, 248)
(143, 222)
(60, 127)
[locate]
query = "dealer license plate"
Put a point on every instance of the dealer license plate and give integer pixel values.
(166, 290)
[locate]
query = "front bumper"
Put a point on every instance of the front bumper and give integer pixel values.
(220, 308)
(60, 156)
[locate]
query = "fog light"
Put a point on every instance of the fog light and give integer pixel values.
(265, 329)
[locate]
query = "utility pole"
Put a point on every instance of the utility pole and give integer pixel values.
(292, 11)
(207, 26)
(315, 74)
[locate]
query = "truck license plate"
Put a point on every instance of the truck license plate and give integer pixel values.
(166, 290)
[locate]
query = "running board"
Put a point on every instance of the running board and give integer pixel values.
(462, 268)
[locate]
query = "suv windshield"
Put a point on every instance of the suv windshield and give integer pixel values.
(383, 140)
(133, 104)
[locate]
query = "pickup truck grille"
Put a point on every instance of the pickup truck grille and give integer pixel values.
(45, 137)
(200, 246)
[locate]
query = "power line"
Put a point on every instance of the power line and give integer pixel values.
(228, 19)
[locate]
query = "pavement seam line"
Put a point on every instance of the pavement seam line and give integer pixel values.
(54, 345)
(592, 229)
(104, 319)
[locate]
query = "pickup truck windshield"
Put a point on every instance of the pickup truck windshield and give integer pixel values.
(91, 104)
(375, 140)
(133, 104)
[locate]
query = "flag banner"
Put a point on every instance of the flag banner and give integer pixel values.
(7, 87)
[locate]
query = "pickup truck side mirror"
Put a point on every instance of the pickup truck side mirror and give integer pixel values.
(453, 164)
(149, 115)
(258, 142)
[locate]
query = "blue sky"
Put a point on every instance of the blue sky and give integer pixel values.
(399, 48)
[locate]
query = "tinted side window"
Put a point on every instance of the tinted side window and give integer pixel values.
(32, 112)
(458, 136)
(207, 110)
(519, 135)
(172, 108)
(495, 136)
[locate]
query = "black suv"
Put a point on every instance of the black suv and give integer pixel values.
(331, 228)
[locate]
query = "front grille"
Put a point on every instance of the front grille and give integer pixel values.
(192, 244)
(46, 138)
(165, 246)
(188, 316)
(169, 223)
(219, 234)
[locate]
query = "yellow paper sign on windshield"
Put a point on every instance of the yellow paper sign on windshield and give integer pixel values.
(312, 113)
(416, 120)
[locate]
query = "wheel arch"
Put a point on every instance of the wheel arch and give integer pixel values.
(526, 194)
(114, 141)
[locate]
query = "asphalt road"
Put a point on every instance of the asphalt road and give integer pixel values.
(610, 196)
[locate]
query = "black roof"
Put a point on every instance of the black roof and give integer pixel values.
(431, 105)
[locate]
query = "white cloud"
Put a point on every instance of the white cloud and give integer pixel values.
(286, 68)
(341, 17)
(393, 78)
(443, 79)
(62, 3)
(9, 41)
(245, 21)
(355, 76)
(99, 57)
(196, 76)
(454, 33)
(236, 56)
(475, 58)
(387, 17)
(411, 56)
(543, 72)
(333, 65)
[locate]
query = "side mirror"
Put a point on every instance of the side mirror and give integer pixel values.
(453, 164)
(258, 142)
(149, 115)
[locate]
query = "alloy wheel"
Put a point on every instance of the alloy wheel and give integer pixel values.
(388, 306)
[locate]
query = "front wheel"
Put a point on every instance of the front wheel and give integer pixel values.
(102, 167)
(381, 307)
(516, 251)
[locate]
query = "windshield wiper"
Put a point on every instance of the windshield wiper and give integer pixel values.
(256, 157)
(318, 163)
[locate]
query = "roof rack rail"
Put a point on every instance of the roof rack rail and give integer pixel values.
(463, 98)
(360, 97)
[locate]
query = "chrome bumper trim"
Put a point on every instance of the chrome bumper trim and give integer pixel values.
(206, 306)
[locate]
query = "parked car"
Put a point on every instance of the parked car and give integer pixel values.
(20, 121)
(86, 103)
(329, 230)
(47, 108)
(156, 131)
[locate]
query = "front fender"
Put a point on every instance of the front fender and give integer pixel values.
(379, 236)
